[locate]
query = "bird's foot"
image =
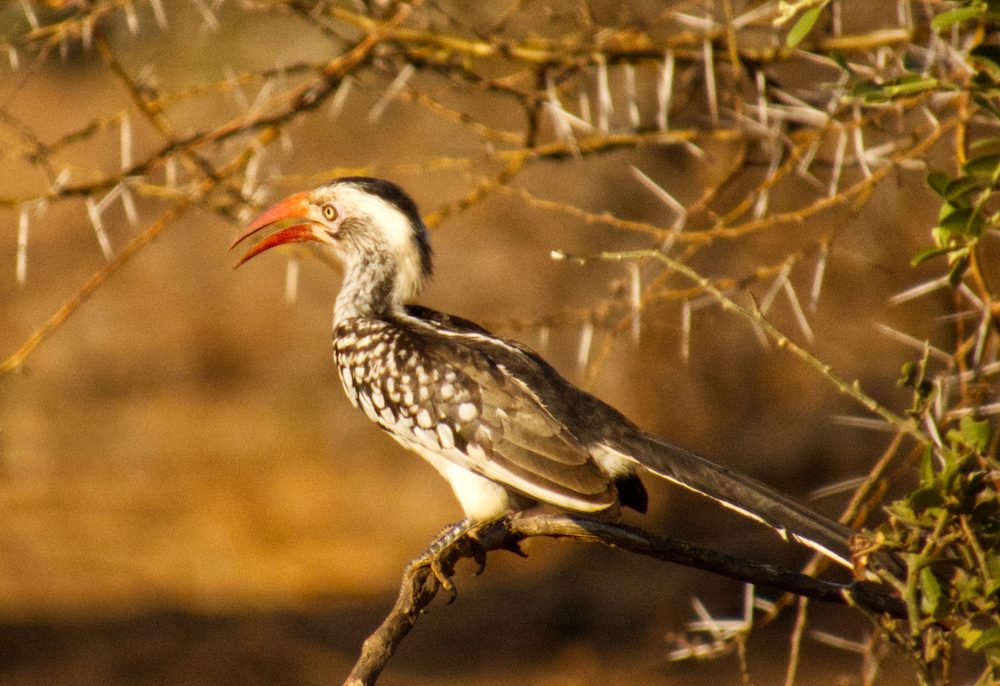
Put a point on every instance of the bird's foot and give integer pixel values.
(431, 557)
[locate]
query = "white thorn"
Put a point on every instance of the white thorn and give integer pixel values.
(87, 33)
(126, 142)
(22, 248)
(863, 423)
(250, 175)
(764, 605)
(686, 331)
(693, 149)
(397, 85)
(12, 56)
(583, 351)
(106, 201)
(916, 343)
(560, 118)
(972, 297)
(665, 91)
(817, 284)
(635, 293)
(760, 206)
(943, 392)
(128, 204)
(978, 411)
(776, 285)
(802, 169)
(543, 338)
(262, 96)
(161, 16)
(935, 436)
(131, 18)
(102, 236)
(29, 14)
(904, 14)
(800, 316)
(838, 641)
(211, 21)
(292, 281)
(859, 143)
(235, 89)
(632, 97)
(604, 107)
(763, 11)
(705, 24)
(842, 486)
(667, 199)
(919, 290)
(61, 180)
(713, 96)
(170, 172)
(584, 103)
(981, 333)
(838, 162)
(340, 96)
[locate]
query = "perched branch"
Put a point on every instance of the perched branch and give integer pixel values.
(420, 585)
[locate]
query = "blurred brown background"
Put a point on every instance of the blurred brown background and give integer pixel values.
(186, 496)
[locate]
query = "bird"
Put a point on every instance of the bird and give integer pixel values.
(500, 424)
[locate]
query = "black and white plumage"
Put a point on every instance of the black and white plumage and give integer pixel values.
(500, 424)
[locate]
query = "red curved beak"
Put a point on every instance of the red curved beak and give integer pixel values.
(294, 210)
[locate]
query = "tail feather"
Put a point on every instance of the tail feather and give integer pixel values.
(747, 496)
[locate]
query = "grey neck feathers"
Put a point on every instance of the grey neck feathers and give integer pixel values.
(368, 288)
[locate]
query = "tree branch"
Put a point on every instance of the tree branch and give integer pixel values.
(420, 585)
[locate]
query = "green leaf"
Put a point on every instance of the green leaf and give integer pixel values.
(943, 238)
(958, 269)
(968, 634)
(927, 466)
(986, 167)
(938, 182)
(909, 84)
(931, 252)
(958, 191)
(930, 593)
(962, 220)
(803, 26)
(983, 142)
(988, 58)
(987, 640)
(988, 106)
(902, 511)
(946, 19)
(866, 89)
(975, 434)
(899, 87)
(927, 497)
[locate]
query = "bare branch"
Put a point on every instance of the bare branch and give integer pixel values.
(420, 585)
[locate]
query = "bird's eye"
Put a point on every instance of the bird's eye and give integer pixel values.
(329, 212)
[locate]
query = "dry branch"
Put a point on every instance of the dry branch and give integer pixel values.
(420, 585)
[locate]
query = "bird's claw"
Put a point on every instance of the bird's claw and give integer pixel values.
(514, 546)
(432, 561)
(431, 557)
(478, 554)
(437, 569)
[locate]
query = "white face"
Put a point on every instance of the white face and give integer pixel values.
(374, 221)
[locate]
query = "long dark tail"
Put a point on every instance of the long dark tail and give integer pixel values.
(747, 496)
